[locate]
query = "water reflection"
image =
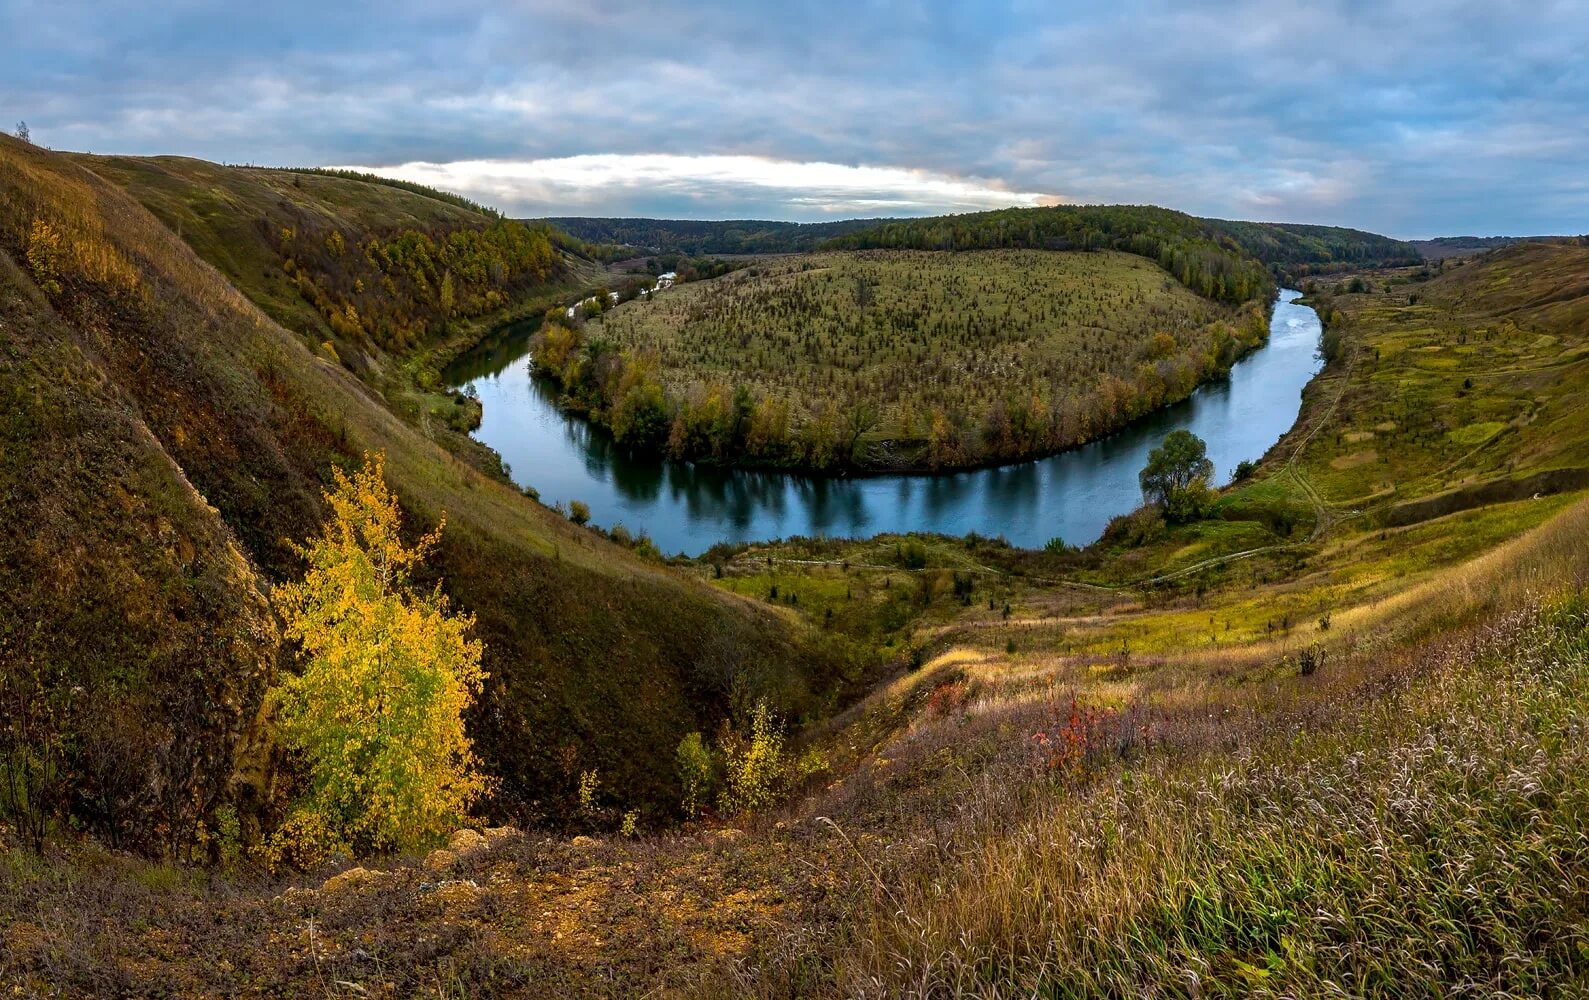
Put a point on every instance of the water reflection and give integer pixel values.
(688, 508)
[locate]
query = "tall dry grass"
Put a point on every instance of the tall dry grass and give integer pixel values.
(1416, 825)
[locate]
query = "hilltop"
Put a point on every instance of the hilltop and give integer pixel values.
(699, 238)
(1291, 250)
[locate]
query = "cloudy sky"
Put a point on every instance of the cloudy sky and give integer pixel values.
(1409, 118)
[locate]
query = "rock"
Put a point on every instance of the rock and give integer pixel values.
(350, 879)
(497, 834)
(440, 859)
(454, 895)
(466, 842)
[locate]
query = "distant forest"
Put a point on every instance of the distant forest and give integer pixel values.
(696, 238)
(1205, 254)
(1442, 247)
(1199, 252)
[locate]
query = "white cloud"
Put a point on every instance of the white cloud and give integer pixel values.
(604, 183)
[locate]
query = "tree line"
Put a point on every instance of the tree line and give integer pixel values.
(1204, 260)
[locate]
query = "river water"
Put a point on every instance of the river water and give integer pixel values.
(1072, 495)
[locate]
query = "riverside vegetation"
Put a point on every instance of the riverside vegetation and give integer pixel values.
(942, 343)
(896, 359)
(1316, 731)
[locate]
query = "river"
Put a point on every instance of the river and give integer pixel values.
(1072, 495)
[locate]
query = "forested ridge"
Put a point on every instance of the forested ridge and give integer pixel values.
(1195, 255)
(693, 236)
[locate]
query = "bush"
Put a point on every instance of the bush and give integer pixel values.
(911, 555)
(1310, 660)
(304, 842)
(1143, 526)
(579, 512)
(753, 763)
(697, 770)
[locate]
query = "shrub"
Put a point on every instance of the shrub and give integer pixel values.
(1310, 660)
(579, 511)
(304, 842)
(228, 835)
(911, 555)
(948, 698)
(1143, 526)
(697, 770)
(45, 253)
(589, 786)
(34, 778)
(753, 763)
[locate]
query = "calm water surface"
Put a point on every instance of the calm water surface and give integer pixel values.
(687, 508)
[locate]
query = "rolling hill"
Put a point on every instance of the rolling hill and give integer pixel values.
(166, 439)
(888, 359)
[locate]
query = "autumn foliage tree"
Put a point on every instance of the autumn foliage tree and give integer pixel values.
(387, 672)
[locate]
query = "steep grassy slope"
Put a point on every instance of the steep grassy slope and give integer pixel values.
(373, 268)
(147, 390)
(899, 359)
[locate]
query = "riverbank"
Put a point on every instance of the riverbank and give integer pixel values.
(688, 507)
(895, 361)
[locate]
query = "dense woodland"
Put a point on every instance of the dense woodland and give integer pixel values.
(889, 359)
(695, 237)
(1294, 251)
(1184, 246)
(397, 289)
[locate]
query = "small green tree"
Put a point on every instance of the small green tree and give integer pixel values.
(696, 768)
(1176, 477)
(376, 712)
(753, 763)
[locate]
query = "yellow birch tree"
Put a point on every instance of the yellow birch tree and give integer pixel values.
(387, 672)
